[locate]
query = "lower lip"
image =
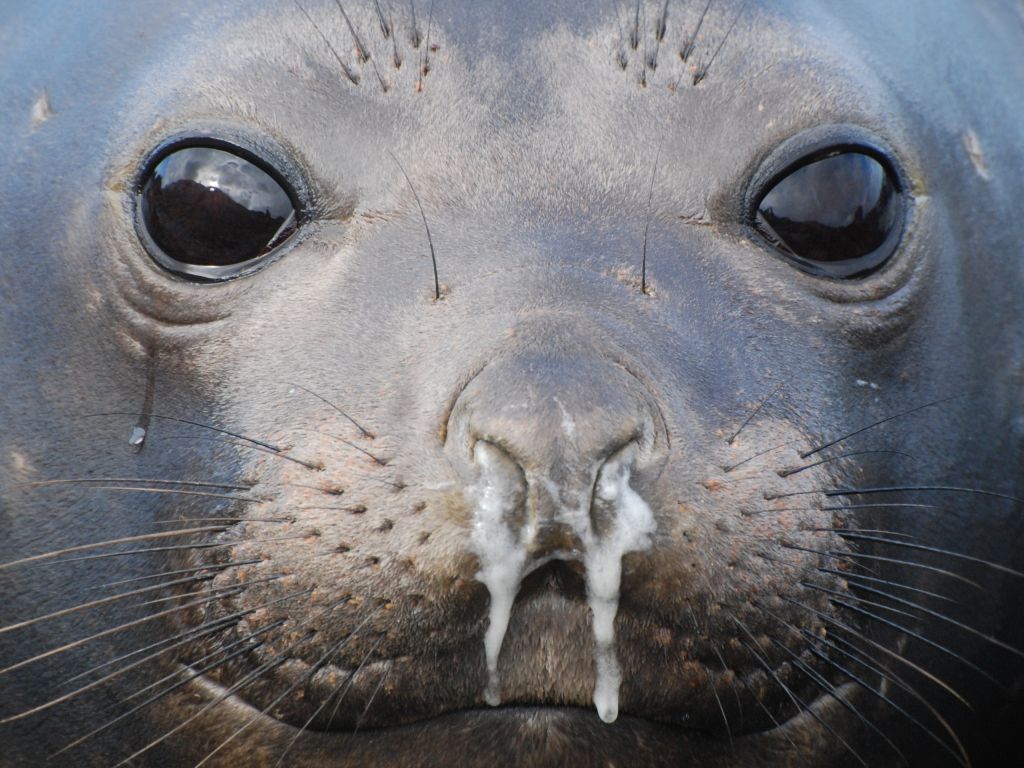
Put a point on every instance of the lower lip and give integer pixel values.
(502, 733)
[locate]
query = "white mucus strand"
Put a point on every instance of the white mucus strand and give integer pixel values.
(502, 550)
(632, 525)
(502, 554)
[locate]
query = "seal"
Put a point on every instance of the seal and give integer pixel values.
(484, 384)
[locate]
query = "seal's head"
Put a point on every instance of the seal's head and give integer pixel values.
(471, 383)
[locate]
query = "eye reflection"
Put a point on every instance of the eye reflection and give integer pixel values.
(207, 209)
(838, 216)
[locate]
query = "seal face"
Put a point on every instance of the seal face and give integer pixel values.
(537, 385)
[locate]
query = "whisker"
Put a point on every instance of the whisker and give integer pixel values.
(830, 689)
(350, 75)
(279, 454)
(198, 671)
(800, 705)
(235, 617)
(225, 591)
(111, 542)
(151, 480)
(735, 688)
(768, 712)
(220, 623)
(753, 414)
(176, 492)
(327, 699)
(634, 37)
(150, 550)
(415, 194)
(302, 680)
(771, 510)
(396, 58)
(363, 430)
(643, 57)
(791, 494)
(369, 703)
(229, 621)
(112, 675)
(415, 37)
(224, 520)
(879, 558)
(808, 635)
(104, 633)
(844, 531)
(210, 427)
(886, 674)
(854, 534)
(691, 41)
(766, 451)
(385, 26)
(647, 226)
(178, 572)
(880, 422)
(840, 599)
(896, 505)
(248, 679)
(425, 60)
(97, 603)
(344, 687)
(856, 577)
(938, 488)
(662, 26)
(943, 617)
(171, 689)
(864, 638)
(711, 685)
(252, 677)
(702, 72)
(379, 461)
(795, 470)
(363, 51)
(842, 556)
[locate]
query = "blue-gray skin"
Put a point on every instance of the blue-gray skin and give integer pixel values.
(531, 132)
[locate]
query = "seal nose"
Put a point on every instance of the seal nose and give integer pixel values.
(541, 427)
(548, 445)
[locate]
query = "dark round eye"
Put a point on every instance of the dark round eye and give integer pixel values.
(212, 213)
(839, 215)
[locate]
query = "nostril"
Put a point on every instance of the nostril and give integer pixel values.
(615, 472)
(491, 449)
(497, 469)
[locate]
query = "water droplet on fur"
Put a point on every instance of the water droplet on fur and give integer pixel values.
(137, 437)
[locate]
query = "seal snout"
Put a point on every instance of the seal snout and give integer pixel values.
(543, 427)
(547, 446)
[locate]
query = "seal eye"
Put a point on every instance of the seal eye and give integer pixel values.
(838, 215)
(213, 214)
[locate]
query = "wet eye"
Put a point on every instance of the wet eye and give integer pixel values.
(210, 213)
(839, 215)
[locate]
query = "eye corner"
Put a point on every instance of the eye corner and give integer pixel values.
(239, 204)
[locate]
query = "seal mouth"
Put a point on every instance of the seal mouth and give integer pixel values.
(671, 678)
(512, 726)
